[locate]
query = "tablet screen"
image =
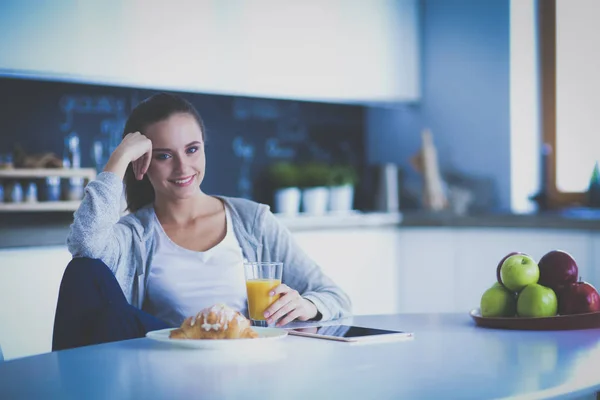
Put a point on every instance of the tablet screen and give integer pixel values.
(345, 331)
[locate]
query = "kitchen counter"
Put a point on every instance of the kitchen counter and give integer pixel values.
(533, 221)
(352, 220)
(46, 229)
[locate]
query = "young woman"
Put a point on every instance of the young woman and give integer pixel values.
(179, 249)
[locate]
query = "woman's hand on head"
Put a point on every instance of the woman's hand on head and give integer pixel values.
(135, 148)
(289, 307)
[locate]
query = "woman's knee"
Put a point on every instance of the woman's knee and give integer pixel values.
(91, 279)
(86, 268)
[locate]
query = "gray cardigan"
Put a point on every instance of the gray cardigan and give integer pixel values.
(126, 244)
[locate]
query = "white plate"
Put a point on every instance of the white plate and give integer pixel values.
(266, 336)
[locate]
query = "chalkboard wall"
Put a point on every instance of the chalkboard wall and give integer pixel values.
(244, 135)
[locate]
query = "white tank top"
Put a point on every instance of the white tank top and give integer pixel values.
(182, 282)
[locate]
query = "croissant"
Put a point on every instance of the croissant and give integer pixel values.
(216, 322)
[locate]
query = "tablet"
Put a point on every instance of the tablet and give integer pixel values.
(348, 333)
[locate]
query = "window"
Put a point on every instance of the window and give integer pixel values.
(524, 107)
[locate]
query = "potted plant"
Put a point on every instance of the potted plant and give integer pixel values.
(341, 191)
(284, 177)
(315, 181)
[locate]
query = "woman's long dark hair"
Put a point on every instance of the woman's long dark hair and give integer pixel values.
(154, 109)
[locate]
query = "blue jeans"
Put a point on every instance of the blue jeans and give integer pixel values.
(92, 308)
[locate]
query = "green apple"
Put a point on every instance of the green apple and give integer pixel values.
(518, 271)
(537, 301)
(497, 301)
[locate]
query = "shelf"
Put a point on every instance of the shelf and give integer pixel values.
(37, 173)
(40, 206)
(88, 173)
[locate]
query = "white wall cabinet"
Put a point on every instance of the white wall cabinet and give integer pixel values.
(332, 51)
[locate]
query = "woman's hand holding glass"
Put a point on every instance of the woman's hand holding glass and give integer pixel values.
(135, 148)
(289, 307)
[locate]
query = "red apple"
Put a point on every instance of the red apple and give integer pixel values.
(557, 270)
(502, 262)
(578, 298)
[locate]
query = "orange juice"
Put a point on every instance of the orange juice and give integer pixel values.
(258, 296)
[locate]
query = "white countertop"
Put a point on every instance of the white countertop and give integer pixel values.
(448, 358)
(354, 219)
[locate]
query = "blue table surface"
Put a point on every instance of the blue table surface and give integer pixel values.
(449, 357)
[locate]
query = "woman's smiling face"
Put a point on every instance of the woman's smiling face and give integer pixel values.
(178, 160)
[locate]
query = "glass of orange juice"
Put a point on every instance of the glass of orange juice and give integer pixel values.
(261, 278)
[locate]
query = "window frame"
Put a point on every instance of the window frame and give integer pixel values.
(546, 32)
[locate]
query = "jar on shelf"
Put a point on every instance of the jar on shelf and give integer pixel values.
(75, 189)
(53, 188)
(31, 196)
(16, 193)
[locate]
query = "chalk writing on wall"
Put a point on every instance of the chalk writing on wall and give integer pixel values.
(112, 111)
(273, 149)
(257, 109)
(245, 151)
(83, 104)
(250, 133)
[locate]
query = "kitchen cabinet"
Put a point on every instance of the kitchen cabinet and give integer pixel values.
(29, 283)
(364, 262)
(426, 265)
(448, 269)
(434, 269)
(353, 52)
